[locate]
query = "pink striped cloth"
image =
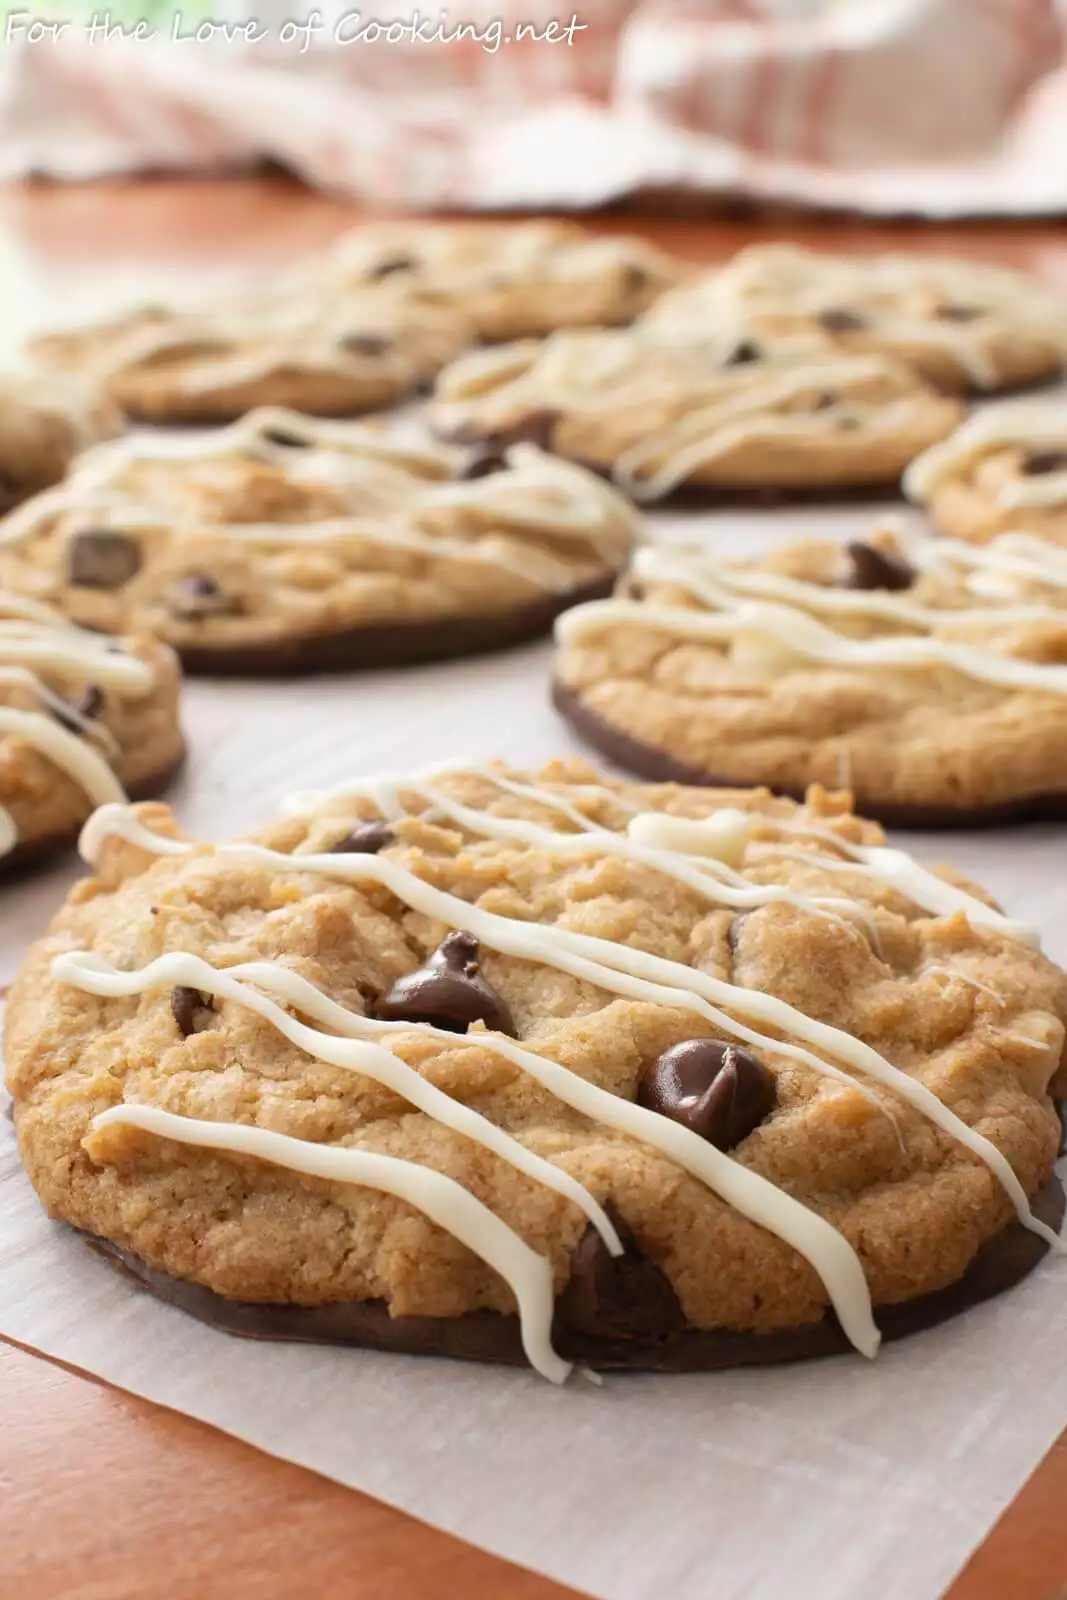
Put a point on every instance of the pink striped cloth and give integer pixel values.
(928, 107)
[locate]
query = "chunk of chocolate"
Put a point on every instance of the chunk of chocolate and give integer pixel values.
(536, 428)
(1038, 462)
(390, 265)
(193, 1012)
(448, 992)
(285, 439)
(100, 559)
(366, 840)
(617, 1297)
(364, 344)
(839, 319)
(716, 1089)
(953, 313)
(198, 594)
(741, 354)
(871, 568)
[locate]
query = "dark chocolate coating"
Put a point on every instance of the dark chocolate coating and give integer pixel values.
(448, 992)
(488, 1336)
(715, 1089)
(390, 644)
(644, 760)
(871, 568)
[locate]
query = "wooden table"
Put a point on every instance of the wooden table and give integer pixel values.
(106, 1497)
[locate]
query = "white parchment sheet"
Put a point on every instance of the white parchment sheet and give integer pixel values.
(837, 1480)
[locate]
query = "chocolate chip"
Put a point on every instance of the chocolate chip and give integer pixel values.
(282, 437)
(839, 319)
(99, 559)
(718, 1090)
(535, 428)
(448, 992)
(364, 344)
(198, 594)
(193, 1012)
(823, 402)
(634, 278)
(617, 1297)
(366, 840)
(88, 706)
(871, 568)
(950, 313)
(483, 460)
(741, 354)
(391, 264)
(1040, 461)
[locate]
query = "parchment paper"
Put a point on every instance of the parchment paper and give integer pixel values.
(837, 1480)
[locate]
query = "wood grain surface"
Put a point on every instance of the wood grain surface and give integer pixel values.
(104, 1496)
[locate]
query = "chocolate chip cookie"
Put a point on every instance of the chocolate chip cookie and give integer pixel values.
(512, 279)
(927, 676)
(286, 544)
(965, 325)
(661, 410)
(84, 720)
(1004, 470)
(44, 423)
(331, 353)
(513, 1066)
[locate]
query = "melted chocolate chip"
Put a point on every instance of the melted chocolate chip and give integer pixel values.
(839, 319)
(88, 706)
(718, 1090)
(364, 344)
(448, 992)
(193, 1012)
(199, 595)
(617, 1297)
(634, 278)
(365, 840)
(871, 568)
(1041, 461)
(950, 313)
(287, 440)
(741, 354)
(535, 428)
(483, 460)
(392, 264)
(100, 559)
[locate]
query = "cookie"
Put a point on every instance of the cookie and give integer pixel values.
(481, 1061)
(44, 423)
(927, 676)
(967, 326)
(84, 720)
(333, 354)
(514, 280)
(658, 412)
(286, 544)
(1004, 470)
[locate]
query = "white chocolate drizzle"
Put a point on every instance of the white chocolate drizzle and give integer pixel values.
(390, 492)
(897, 296)
(785, 636)
(1030, 425)
(438, 1197)
(722, 586)
(665, 843)
(35, 640)
(726, 407)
